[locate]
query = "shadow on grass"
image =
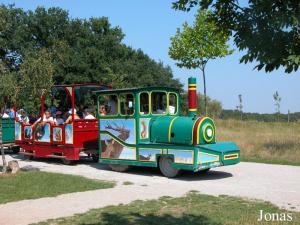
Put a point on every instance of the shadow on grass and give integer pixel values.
(150, 219)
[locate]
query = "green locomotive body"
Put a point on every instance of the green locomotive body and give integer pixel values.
(7, 129)
(143, 127)
(7, 134)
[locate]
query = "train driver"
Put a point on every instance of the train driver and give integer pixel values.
(113, 105)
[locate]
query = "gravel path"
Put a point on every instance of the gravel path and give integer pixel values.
(275, 183)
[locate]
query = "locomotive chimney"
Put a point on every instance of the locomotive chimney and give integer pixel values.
(192, 96)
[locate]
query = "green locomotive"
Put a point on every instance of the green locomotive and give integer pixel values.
(143, 127)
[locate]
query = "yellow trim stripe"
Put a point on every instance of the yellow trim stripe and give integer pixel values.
(170, 128)
(192, 89)
(194, 110)
(192, 85)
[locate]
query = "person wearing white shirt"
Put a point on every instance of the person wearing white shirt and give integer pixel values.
(47, 118)
(171, 109)
(22, 116)
(5, 114)
(89, 115)
(69, 119)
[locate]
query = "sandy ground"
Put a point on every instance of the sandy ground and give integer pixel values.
(275, 183)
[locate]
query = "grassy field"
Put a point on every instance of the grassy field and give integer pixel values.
(194, 209)
(36, 184)
(277, 143)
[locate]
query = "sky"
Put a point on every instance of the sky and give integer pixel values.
(148, 25)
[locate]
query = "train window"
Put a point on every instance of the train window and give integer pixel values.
(144, 103)
(126, 104)
(172, 103)
(159, 102)
(108, 105)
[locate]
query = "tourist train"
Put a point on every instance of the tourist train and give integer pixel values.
(132, 127)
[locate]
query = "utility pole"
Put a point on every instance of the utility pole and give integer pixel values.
(277, 100)
(239, 107)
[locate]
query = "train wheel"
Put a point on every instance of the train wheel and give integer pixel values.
(119, 167)
(95, 158)
(165, 166)
(67, 161)
(15, 149)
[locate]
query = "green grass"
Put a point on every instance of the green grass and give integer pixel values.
(276, 143)
(194, 209)
(36, 184)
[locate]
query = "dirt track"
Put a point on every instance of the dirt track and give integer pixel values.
(275, 183)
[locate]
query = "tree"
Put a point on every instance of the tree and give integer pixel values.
(195, 45)
(37, 78)
(48, 41)
(81, 50)
(268, 30)
(24, 88)
(9, 90)
(277, 100)
(240, 106)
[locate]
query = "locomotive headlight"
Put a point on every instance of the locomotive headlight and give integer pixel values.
(208, 133)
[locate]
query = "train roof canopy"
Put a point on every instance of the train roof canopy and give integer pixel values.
(142, 89)
(83, 85)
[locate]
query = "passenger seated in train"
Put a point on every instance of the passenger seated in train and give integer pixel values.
(159, 109)
(22, 117)
(102, 110)
(88, 114)
(12, 113)
(47, 118)
(159, 102)
(32, 118)
(58, 119)
(6, 114)
(76, 117)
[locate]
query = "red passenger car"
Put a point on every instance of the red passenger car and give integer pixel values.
(63, 140)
